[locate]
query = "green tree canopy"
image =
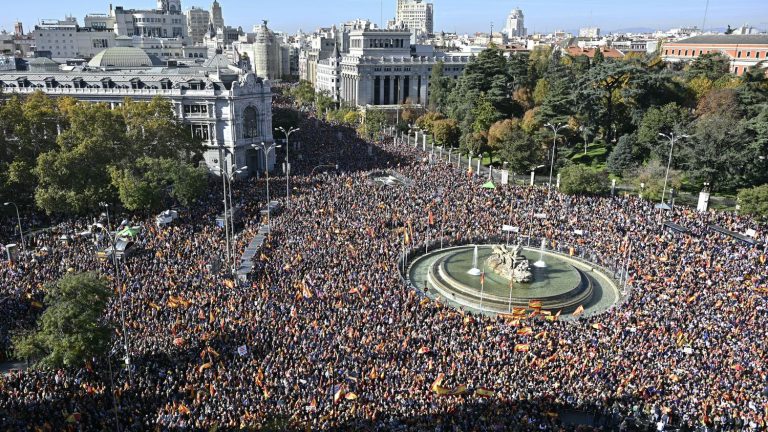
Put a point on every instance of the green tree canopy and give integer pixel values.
(576, 179)
(446, 132)
(754, 200)
(516, 147)
(71, 330)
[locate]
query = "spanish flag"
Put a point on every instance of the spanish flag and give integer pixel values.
(423, 350)
(525, 331)
(540, 335)
(534, 304)
(205, 366)
(350, 396)
(338, 393)
(597, 326)
(522, 347)
(431, 218)
(437, 382)
(579, 310)
(485, 393)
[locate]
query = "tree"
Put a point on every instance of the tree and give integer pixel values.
(73, 178)
(485, 114)
(712, 66)
(373, 123)
(715, 153)
(72, 329)
(153, 129)
(324, 101)
(665, 119)
(188, 182)
(472, 143)
(426, 122)
(516, 147)
(578, 179)
(622, 158)
(303, 93)
(145, 184)
(446, 132)
(439, 88)
(754, 201)
(652, 176)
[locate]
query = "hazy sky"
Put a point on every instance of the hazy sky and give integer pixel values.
(463, 16)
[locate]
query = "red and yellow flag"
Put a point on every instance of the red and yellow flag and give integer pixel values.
(522, 348)
(579, 310)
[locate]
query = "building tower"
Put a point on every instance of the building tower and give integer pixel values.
(18, 29)
(169, 6)
(216, 16)
(516, 24)
(415, 15)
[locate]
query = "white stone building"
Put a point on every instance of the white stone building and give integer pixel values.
(380, 70)
(65, 39)
(269, 53)
(167, 21)
(228, 108)
(589, 32)
(515, 24)
(415, 15)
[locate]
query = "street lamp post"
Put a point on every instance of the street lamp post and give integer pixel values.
(229, 215)
(287, 163)
(18, 218)
(672, 139)
(120, 293)
(266, 149)
(555, 129)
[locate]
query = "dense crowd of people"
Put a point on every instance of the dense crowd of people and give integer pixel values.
(325, 334)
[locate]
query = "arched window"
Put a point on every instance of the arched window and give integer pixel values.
(250, 123)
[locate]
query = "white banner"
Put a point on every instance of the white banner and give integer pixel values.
(504, 177)
(510, 228)
(540, 215)
(242, 350)
(578, 232)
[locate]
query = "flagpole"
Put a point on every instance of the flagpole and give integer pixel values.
(511, 285)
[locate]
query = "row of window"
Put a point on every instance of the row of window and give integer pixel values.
(684, 53)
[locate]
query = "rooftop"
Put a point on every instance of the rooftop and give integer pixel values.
(725, 40)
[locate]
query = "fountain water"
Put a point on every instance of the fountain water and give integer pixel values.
(540, 263)
(474, 271)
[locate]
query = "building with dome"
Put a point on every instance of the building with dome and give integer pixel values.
(227, 107)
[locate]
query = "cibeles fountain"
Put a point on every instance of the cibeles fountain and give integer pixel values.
(513, 277)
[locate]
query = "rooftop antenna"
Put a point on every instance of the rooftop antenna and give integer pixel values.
(704, 23)
(381, 13)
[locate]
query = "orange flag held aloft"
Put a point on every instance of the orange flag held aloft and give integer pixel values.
(522, 348)
(525, 331)
(423, 350)
(484, 392)
(437, 382)
(431, 218)
(534, 304)
(579, 310)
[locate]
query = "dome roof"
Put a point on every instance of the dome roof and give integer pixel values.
(121, 57)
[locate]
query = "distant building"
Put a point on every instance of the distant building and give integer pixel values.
(167, 21)
(65, 39)
(228, 108)
(197, 24)
(269, 56)
(589, 32)
(415, 15)
(380, 70)
(515, 25)
(217, 19)
(744, 51)
(590, 52)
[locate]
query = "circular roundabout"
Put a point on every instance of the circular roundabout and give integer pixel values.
(495, 279)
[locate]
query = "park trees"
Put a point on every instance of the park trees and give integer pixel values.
(583, 180)
(71, 330)
(439, 88)
(446, 132)
(515, 146)
(754, 200)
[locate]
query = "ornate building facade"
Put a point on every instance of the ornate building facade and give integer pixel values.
(228, 108)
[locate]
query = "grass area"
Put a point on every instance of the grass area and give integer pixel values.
(596, 155)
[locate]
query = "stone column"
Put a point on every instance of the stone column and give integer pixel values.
(381, 89)
(424, 97)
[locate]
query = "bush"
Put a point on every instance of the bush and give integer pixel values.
(754, 200)
(583, 180)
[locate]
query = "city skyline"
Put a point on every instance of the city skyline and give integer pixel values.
(450, 15)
